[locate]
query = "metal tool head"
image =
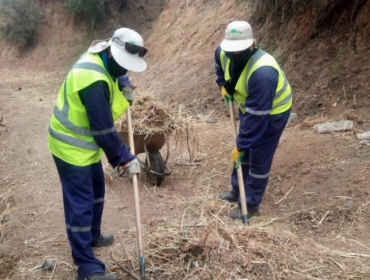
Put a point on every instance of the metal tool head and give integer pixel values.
(47, 264)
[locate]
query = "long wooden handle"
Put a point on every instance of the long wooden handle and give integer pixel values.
(136, 195)
(239, 171)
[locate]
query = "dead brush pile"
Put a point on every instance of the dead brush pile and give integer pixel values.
(150, 116)
(210, 246)
(216, 251)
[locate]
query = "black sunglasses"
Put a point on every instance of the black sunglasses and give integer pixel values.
(131, 48)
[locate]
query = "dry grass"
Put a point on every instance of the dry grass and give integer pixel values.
(204, 244)
(151, 116)
(7, 260)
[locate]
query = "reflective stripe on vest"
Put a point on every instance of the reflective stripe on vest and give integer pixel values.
(74, 141)
(62, 116)
(70, 136)
(242, 94)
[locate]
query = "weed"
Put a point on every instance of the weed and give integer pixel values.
(334, 65)
(21, 21)
(93, 12)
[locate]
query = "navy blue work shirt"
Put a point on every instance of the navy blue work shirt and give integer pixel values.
(262, 88)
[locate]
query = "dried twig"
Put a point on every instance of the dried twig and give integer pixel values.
(1, 120)
(284, 196)
(323, 218)
(125, 269)
(187, 142)
(55, 266)
(338, 264)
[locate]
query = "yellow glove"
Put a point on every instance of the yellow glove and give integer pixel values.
(236, 157)
(225, 95)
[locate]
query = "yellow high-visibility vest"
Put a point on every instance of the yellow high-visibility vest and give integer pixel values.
(283, 96)
(70, 137)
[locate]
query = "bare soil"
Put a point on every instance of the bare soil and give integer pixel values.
(324, 177)
(317, 199)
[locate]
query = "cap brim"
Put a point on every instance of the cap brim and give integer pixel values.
(99, 45)
(128, 61)
(236, 45)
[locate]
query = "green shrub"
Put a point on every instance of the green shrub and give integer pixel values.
(92, 11)
(20, 19)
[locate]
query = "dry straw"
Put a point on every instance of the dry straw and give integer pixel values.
(151, 116)
(204, 243)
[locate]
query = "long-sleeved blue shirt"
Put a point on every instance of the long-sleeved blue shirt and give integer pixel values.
(96, 100)
(262, 88)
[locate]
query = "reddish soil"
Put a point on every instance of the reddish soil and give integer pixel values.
(319, 186)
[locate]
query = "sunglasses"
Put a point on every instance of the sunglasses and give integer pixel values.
(131, 48)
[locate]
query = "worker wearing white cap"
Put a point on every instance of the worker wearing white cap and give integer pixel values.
(252, 78)
(81, 129)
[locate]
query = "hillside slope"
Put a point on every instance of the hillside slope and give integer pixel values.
(324, 50)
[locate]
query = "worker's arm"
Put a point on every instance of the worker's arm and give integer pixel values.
(219, 72)
(96, 100)
(262, 87)
(123, 81)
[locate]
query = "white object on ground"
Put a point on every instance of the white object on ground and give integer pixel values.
(363, 136)
(334, 126)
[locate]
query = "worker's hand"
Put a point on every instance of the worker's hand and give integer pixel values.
(132, 167)
(225, 95)
(129, 93)
(236, 157)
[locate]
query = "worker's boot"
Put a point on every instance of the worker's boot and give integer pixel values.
(229, 196)
(104, 239)
(236, 213)
(102, 276)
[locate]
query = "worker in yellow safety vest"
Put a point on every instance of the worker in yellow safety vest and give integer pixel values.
(253, 78)
(81, 129)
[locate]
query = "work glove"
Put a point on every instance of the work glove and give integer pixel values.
(225, 95)
(236, 157)
(129, 94)
(132, 167)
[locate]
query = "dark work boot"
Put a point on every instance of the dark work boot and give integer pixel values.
(230, 197)
(104, 239)
(101, 276)
(236, 213)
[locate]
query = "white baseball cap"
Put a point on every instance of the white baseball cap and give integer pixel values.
(238, 37)
(127, 47)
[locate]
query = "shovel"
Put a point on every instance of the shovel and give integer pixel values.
(239, 171)
(136, 194)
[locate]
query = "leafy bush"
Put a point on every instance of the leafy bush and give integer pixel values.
(88, 10)
(21, 19)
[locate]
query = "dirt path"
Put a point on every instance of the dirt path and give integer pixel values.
(319, 187)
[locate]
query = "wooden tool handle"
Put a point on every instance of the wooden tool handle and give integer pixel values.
(239, 171)
(136, 188)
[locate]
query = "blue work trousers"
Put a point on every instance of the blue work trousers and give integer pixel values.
(257, 161)
(83, 197)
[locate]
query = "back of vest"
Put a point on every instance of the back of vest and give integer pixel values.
(70, 137)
